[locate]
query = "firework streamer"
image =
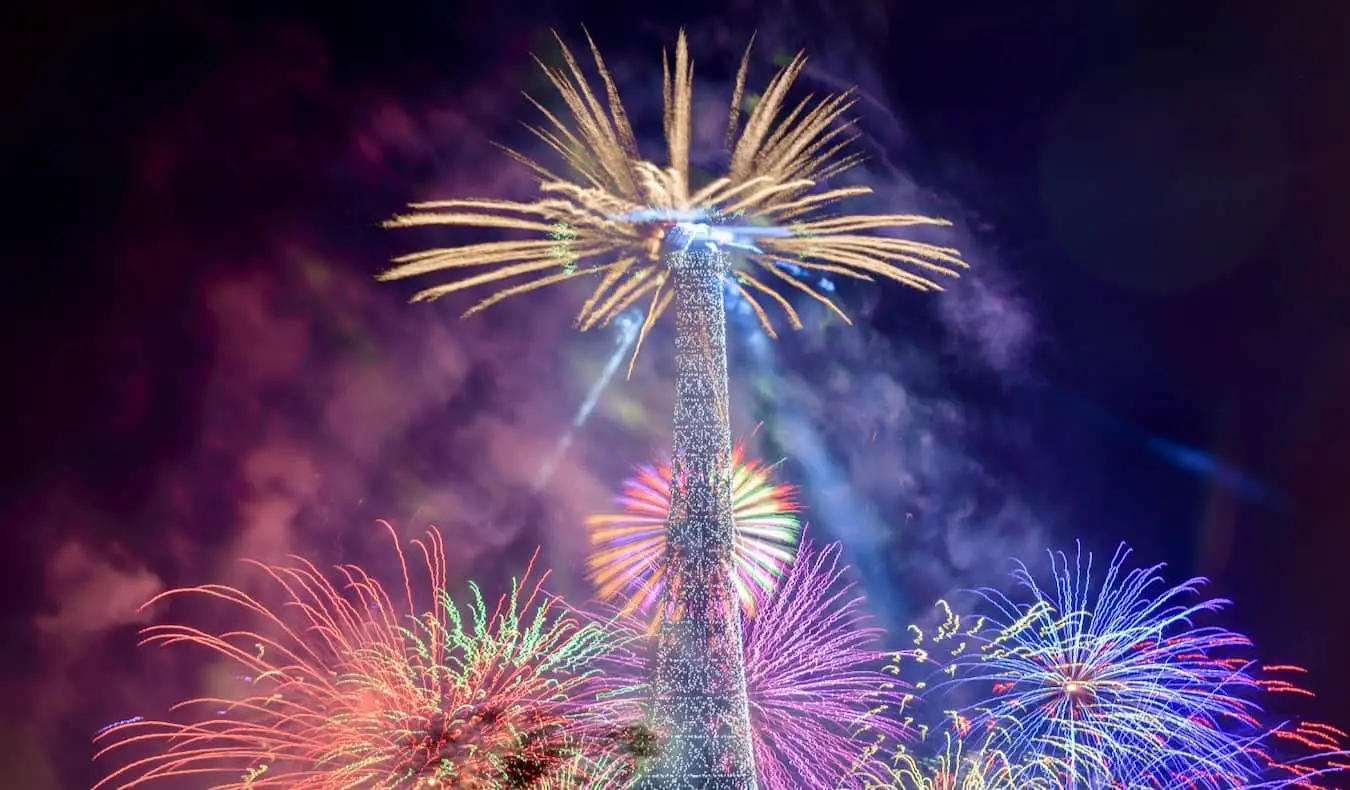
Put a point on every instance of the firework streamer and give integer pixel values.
(352, 687)
(777, 166)
(627, 329)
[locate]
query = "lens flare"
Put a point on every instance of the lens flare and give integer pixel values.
(347, 687)
(627, 560)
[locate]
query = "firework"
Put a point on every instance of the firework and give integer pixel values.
(630, 547)
(348, 688)
(1294, 753)
(611, 218)
(819, 693)
(637, 227)
(1112, 679)
(815, 676)
(627, 328)
(957, 766)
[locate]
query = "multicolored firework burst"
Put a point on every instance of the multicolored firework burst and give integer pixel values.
(351, 689)
(629, 548)
(1113, 681)
(818, 690)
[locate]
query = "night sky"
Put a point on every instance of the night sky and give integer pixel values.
(1153, 344)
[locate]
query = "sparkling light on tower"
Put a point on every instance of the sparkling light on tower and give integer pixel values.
(699, 676)
(640, 228)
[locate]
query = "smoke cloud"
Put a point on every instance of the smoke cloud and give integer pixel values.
(311, 401)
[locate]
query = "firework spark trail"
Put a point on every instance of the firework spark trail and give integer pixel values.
(627, 335)
(629, 547)
(350, 689)
(1297, 753)
(958, 765)
(1112, 681)
(818, 691)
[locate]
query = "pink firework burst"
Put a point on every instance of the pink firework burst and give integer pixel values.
(355, 684)
(629, 547)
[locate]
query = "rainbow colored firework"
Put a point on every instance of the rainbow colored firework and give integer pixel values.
(818, 690)
(1116, 686)
(349, 689)
(628, 559)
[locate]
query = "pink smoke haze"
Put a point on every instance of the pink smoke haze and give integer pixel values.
(268, 397)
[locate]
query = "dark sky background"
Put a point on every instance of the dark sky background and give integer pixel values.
(1153, 344)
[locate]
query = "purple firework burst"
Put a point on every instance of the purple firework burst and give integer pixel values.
(820, 698)
(818, 691)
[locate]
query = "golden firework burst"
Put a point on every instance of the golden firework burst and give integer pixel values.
(617, 207)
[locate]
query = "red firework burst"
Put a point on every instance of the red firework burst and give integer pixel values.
(350, 688)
